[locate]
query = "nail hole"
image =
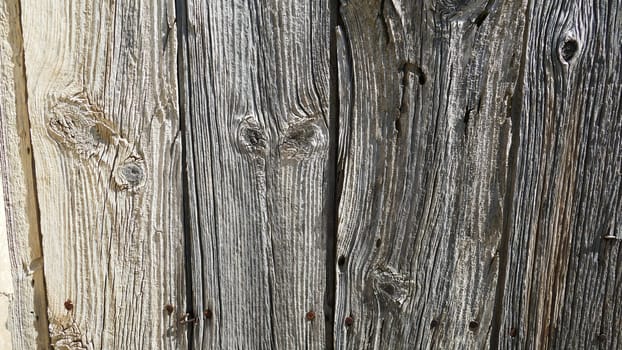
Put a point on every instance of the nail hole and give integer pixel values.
(434, 324)
(341, 261)
(378, 243)
(569, 49)
(473, 325)
(349, 321)
(68, 305)
(601, 338)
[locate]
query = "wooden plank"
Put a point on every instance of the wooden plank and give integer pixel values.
(564, 272)
(424, 167)
(102, 101)
(22, 287)
(257, 151)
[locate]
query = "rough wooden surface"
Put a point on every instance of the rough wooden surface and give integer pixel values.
(563, 288)
(102, 102)
(468, 152)
(23, 302)
(256, 114)
(424, 166)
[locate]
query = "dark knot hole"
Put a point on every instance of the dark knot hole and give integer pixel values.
(569, 50)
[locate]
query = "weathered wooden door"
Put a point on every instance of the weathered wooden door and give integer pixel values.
(284, 174)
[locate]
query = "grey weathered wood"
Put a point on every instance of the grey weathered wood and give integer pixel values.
(102, 102)
(22, 302)
(424, 163)
(564, 270)
(468, 150)
(256, 114)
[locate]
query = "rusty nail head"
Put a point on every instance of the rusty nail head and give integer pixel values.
(169, 308)
(434, 324)
(68, 305)
(208, 314)
(601, 338)
(513, 332)
(349, 321)
(310, 316)
(473, 325)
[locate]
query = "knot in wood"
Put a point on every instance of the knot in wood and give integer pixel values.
(304, 139)
(251, 137)
(391, 288)
(78, 126)
(66, 336)
(460, 10)
(130, 175)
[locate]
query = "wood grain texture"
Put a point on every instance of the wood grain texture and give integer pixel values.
(102, 101)
(425, 135)
(257, 124)
(24, 295)
(564, 274)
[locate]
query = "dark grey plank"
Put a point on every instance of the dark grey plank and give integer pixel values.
(564, 277)
(424, 168)
(256, 114)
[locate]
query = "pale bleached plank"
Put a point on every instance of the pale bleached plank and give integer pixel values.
(425, 168)
(258, 144)
(102, 101)
(6, 281)
(564, 277)
(22, 296)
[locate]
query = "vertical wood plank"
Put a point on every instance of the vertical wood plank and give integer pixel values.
(257, 157)
(564, 275)
(427, 91)
(102, 100)
(22, 298)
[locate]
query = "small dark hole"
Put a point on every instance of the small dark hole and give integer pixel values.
(378, 243)
(601, 338)
(349, 321)
(341, 261)
(513, 332)
(569, 49)
(421, 75)
(434, 324)
(473, 325)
